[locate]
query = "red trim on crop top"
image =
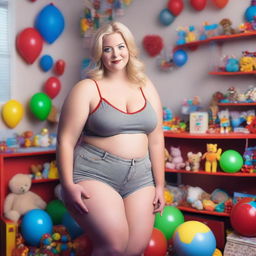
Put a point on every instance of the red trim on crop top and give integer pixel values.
(103, 99)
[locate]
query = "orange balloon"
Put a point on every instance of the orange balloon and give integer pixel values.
(12, 113)
(220, 3)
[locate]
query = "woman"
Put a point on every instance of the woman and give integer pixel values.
(113, 179)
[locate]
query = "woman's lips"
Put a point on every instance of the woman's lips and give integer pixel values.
(115, 61)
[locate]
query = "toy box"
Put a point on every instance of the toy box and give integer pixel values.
(239, 245)
(198, 122)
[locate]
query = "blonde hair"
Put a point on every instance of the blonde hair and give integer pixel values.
(134, 68)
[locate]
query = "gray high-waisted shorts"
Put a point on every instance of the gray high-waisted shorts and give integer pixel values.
(124, 175)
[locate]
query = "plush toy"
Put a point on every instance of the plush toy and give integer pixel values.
(195, 197)
(176, 159)
(211, 156)
(21, 200)
(193, 162)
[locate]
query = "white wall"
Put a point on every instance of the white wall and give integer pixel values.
(192, 79)
(142, 18)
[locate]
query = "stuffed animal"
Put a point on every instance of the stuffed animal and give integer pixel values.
(20, 200)
(193, 162)
(211, 156)
(176, 159)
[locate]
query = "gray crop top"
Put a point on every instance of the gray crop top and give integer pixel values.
(107, 120)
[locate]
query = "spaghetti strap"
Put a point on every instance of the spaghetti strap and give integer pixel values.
(143, 94)
(97, 87)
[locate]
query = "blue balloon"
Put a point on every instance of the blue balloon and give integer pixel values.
(165, 17)
(72, 226)
(34, 224)
(46, 62)
(50, 23)
(180, 57)
(250, 13)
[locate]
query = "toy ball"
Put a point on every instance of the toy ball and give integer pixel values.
(56, 210)
(165, 17)
(250, 13)
(193, 238)
(34, 224)
(231, 161)
(72, 226)
(180, 57)
(171, 218)
(243, 218)
(157, 245)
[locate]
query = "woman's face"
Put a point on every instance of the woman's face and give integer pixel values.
(115, 54)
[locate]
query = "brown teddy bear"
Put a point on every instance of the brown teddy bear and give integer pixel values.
(21, 200)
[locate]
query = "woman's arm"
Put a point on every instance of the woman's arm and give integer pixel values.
(73, 117)
(156, 147)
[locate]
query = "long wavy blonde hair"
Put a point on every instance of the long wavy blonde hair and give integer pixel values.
(134, 68)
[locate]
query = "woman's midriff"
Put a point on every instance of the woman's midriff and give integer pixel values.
(124, 145)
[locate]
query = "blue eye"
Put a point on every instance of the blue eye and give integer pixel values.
(121, 46)
(107, 49)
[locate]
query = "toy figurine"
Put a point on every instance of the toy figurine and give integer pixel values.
(211, 157)
(224, 121)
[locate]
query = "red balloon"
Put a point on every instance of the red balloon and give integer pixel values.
(198, 5)
(157, 245)
(52, 87)
(29, 44)
(175, 7)
(59, 67)
(220, 3)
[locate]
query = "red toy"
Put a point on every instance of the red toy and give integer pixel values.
(243, 218)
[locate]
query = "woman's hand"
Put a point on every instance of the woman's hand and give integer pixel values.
(73, 197)
(159, 201)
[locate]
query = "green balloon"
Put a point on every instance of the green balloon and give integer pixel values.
(231, 161)
(171, 218)
(56, 210)
(40, 105)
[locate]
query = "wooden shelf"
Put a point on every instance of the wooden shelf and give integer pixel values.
(229, 104)
(220, 73)
(201, 172)
(215, 39)
(231, 135)
(189, 209)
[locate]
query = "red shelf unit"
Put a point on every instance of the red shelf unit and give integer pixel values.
(189, 209)
(231, 135)
(11, 164)
(253, 104)
(221, 73)
(219, 38)
(237, 174)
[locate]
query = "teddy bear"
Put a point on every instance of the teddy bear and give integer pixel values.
(176, 159)
(20, 200)
(193, 162)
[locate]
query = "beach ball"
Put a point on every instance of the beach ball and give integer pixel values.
(243, 218)
(194, 238)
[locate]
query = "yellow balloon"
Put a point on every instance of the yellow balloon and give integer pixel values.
(12, 113)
